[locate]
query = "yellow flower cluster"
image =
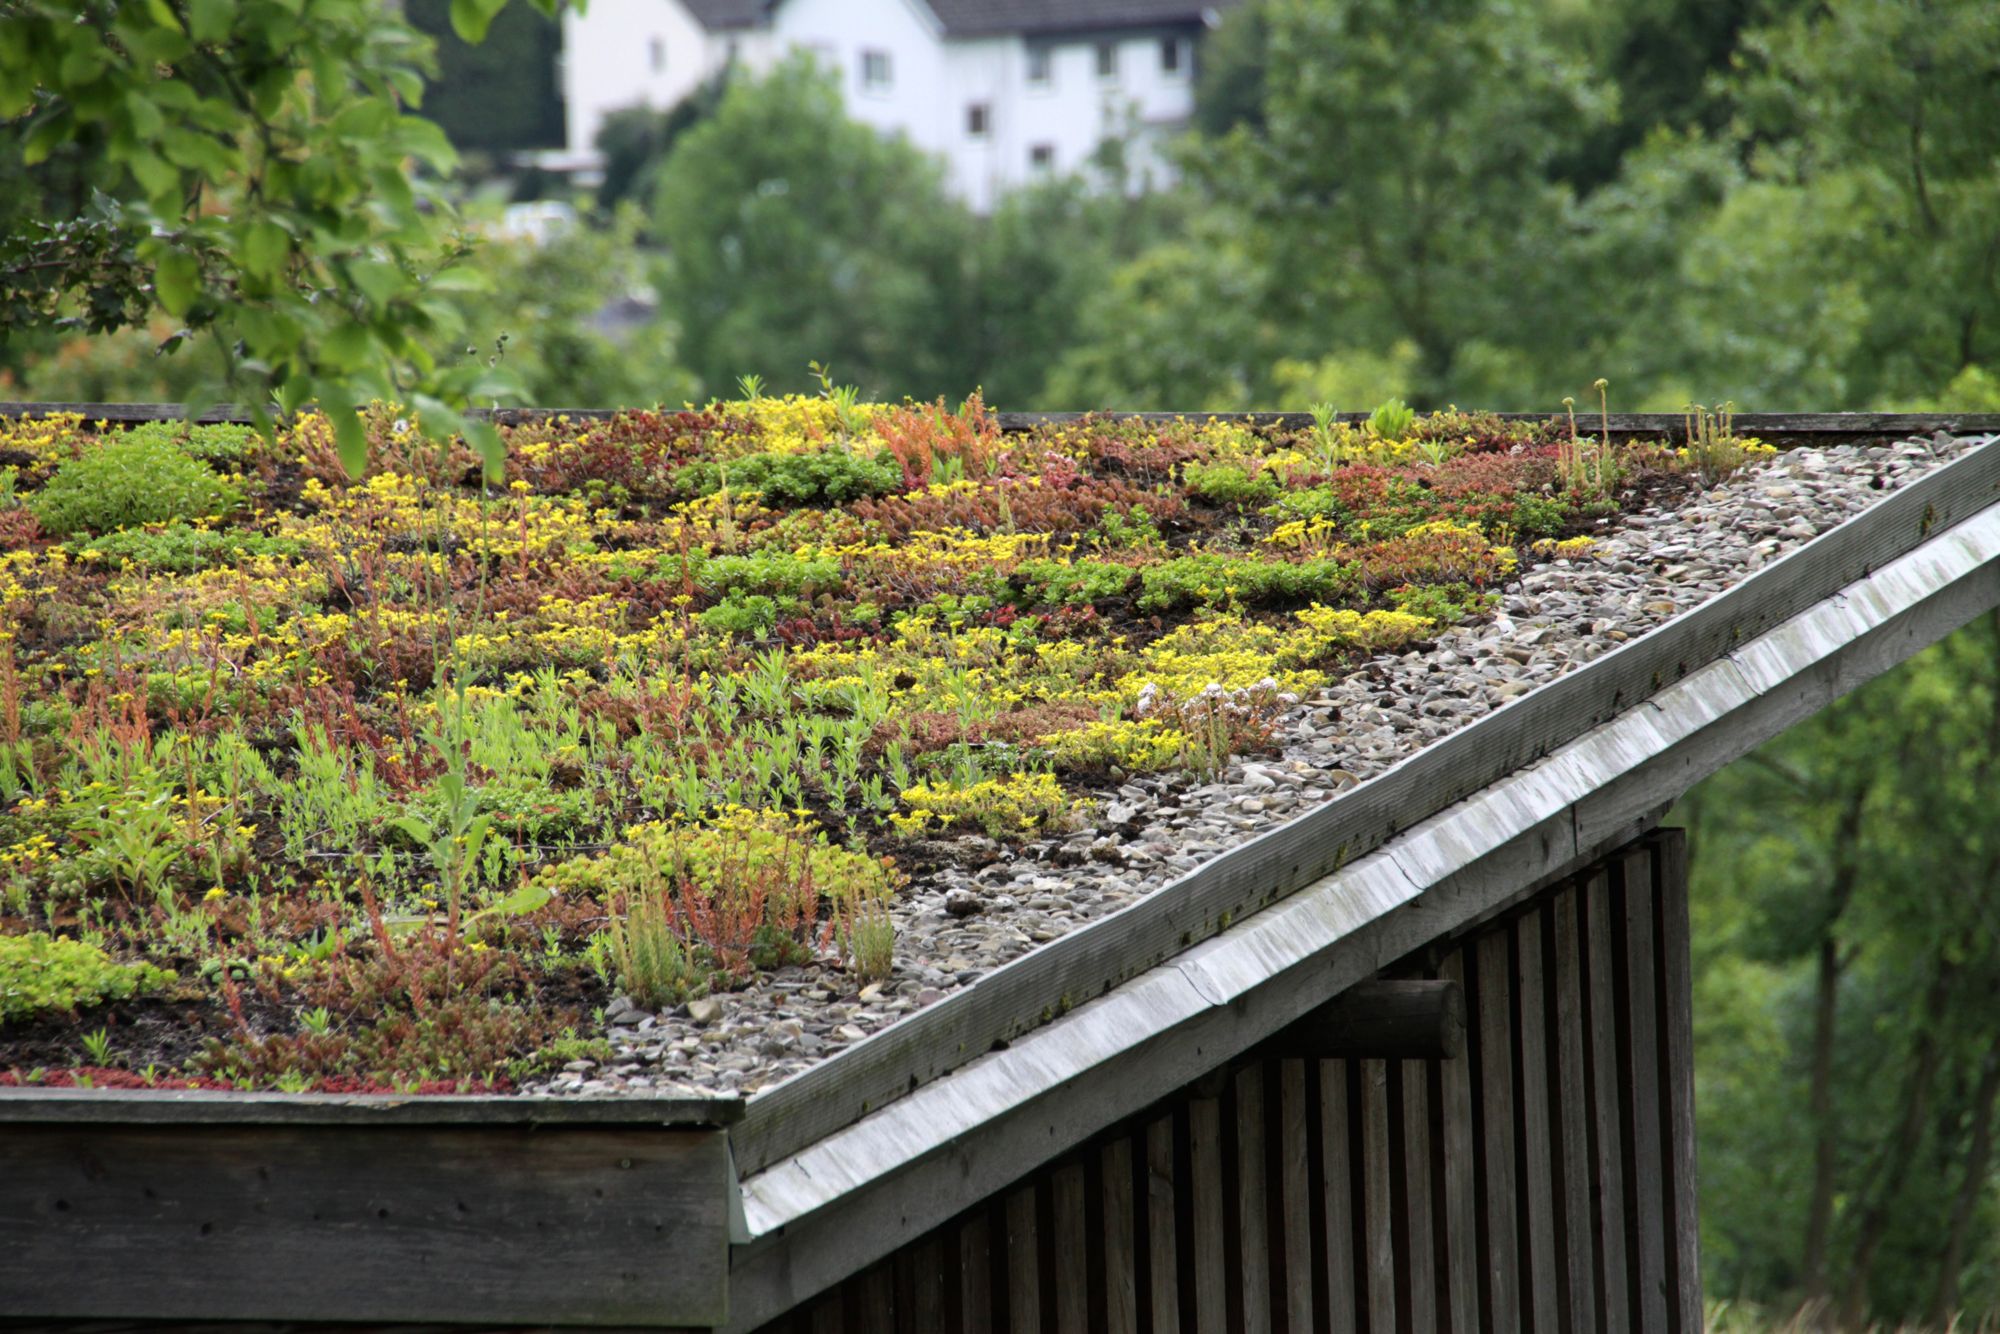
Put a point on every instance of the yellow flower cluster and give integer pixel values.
(1568, 548)
(1225, 651)
(1142, 746)
(1369, 631)
(1015, 804)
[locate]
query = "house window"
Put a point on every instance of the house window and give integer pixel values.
(1170, 55)
(656, 54)
(875, 69)
(1107, 60)
(1042, 157)
(978, 120)
(1041, 67)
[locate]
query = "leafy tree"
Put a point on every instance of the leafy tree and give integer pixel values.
(1401, 149)
(1180, 328)
(797, 234)
(1887, 116)
(1847, 910)
(1231, 83)
(250, 164)
(635, 140)
(1038, 262)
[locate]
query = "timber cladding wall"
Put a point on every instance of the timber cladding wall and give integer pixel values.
(1542, 1180)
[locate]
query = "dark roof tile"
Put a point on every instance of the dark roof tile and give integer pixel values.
(719, 14)
(968, 18)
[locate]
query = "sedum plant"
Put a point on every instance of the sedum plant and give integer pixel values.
(40, 973)
(124, 482)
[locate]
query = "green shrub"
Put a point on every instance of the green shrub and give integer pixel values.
(1078, 583)
(831, 476)
(1228, 484)
(179, 548)
(751, 615)
(125, 483)
(39, 973)
(1447, 604)
(1392, 420)
(1212, 580)
(213, 442)
(771, 572)
(647, 957)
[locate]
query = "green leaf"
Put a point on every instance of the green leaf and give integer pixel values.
(471, 18)
(266, 246)
(177, 282)
(350, 438)
(491, 448)
(147, 118)
(528, 898)
(198, 152)
(208, 20)
(379, 281)
(163, 14)
(348, 347)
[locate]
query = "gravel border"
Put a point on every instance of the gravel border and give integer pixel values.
(997, 904)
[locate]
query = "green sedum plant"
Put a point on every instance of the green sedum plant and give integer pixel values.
(179, 548)
(40, 973)
(126, 482)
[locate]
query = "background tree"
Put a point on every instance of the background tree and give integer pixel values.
(502, 93)
(1847, 910)
(1401, 146)
(796, 234)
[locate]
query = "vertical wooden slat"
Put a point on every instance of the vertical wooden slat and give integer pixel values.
(875, 1299)
(1024, 1279)
(1295, 1191)
(1253, 1256)
(1071, 1250)
(1460, 1256)
(975, 1269)
(1420, 1256)
(1676, 1008)
(1336, 1198)
(1613, 1312)
(1572, 1110)
(1639, 1107)
(1496, 1138)
(1121, 1270)
(1205, 1161)
(1378, 1214)
(827, 1315)
(1163, 1278)
(1540, 1257)
(926, 1313)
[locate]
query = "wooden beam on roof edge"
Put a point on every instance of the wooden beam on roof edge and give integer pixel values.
(1412, 1020)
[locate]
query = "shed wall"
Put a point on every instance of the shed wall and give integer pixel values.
(1541, 1181)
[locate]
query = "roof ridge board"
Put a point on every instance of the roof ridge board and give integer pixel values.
(1092, 959)
(811, 1213)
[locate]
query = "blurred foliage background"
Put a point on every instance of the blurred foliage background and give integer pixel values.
(1790, 204)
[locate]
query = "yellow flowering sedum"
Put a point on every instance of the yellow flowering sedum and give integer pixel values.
(1003, 807)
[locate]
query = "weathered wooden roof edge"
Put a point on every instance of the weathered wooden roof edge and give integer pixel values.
(837, 1205)
(170, 1106)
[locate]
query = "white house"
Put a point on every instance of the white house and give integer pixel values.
(1005, 91)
